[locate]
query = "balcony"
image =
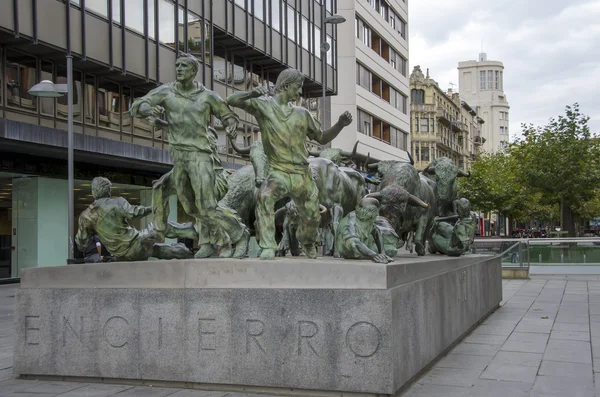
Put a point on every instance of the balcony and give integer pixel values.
(457, 125)
(444, 116)
(423, 108)
(479, 140)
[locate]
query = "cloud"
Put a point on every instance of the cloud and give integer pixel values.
(548, 48)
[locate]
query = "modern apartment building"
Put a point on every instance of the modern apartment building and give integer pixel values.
(121, 50)
(373, 61)
(481, 84)
(442, 125)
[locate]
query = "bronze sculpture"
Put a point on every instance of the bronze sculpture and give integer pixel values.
(284, 129)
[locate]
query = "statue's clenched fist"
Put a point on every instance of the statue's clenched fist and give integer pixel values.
(345, 119)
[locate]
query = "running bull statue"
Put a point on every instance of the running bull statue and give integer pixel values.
(408, 200)
(444, 173)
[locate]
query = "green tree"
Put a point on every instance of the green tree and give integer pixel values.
(560, 161)
(496, 185)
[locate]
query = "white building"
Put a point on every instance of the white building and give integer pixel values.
(373, 78)
(481, 85)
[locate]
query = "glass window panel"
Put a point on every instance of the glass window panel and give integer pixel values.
(108, 105)
(134, 15)
(241, 3)
(497, 79)
(97, 6)
(331, 51)
(482, 79)
(329, 5)
(47, 104)
(304, 29)
(490, 79)
(20, 77)
(124, 110)
(259, 9)
(181, 28)
(166, 24)
(275, 11)
(116, 9)
(90, 100)
(151, 25)
(141, 126)
(61, 102)
(317, 42)
(291, 21)
(195, 35)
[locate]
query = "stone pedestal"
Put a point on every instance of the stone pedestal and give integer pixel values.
(327, 325)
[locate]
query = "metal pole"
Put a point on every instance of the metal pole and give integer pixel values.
(323, 64)
(70, 156)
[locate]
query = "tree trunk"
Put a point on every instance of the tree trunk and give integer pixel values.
(568, 221)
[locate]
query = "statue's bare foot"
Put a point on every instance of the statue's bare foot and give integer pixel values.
(241, 246)
(310, 250)
(267, 254)
(205, 251)
(226, 251)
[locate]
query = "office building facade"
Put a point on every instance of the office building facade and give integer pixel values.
(374, 86)
(121, 49)
(481, 84)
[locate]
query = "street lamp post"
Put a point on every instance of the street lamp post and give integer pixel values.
(48, 89)
(334, 20)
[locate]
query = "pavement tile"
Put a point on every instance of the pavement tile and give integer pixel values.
(573, 351)
(518, 358)
(204, 393)
(464, 361)
(571, 370)
(568, 318)
(477, 349)
(496, 388)
(514, 373)
(419, 390)
(147, 392)
(548, 386)
(451, 377)
(96, 390)
(540, 325)
(12, 385)
(571, 335)
(493, 330)
(486, 339)
(526, 342)
(573, 327)
(53, 388)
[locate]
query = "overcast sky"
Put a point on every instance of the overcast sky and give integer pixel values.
(550, 50)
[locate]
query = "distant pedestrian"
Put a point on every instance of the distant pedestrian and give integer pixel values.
(93, 251)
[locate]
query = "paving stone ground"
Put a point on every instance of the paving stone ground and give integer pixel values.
(544, 340)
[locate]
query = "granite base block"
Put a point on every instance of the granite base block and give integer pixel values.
(366, 338)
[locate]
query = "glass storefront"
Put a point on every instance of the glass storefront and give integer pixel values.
(33, 218)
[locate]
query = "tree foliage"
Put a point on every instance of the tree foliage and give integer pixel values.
(552, 166)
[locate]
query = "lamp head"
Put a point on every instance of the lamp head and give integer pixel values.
(47, 89)
(335, 19)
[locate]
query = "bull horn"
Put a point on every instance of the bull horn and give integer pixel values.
(242, 151)
(322, 209)
(376, 195)
(412, 161)
(429, 170)
(373, 166)
(415, 201)
(351, 155)
(463, 174)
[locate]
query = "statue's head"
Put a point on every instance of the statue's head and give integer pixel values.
(463, 207)
(101, 187)
(289, 84)
(186, 67)
(367, 209)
